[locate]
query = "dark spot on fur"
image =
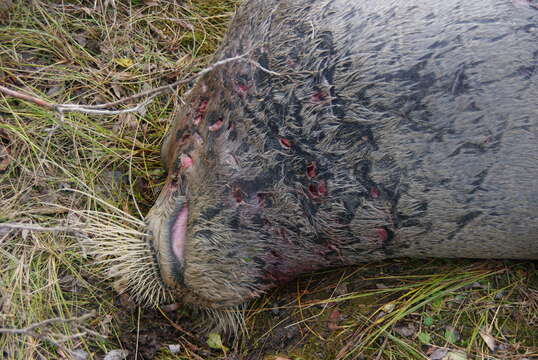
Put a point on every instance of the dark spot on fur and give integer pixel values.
(209, 213)
(313, 191)
(235, 221)
(182, 135)
(258, 261)
(260, 197)
(311, 170)
(275, 254)
(469, 148)
(467, 218)
(206, 234)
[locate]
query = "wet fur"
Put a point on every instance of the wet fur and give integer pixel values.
(395, 129)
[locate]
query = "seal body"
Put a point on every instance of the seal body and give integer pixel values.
(352, 131)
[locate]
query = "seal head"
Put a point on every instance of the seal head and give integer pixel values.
(361, 131)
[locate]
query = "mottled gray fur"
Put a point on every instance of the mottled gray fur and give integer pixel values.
(395, 128)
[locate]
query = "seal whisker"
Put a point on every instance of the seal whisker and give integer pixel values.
(118, 244)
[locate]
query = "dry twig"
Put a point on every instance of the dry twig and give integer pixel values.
(151, 93)
(42, 331)
(31, 227)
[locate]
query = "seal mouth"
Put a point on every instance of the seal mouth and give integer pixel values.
(166, 225)
(178, 233)
(171, 244)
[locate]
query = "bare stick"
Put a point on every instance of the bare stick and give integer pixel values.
(41, 330)
(89, 109)
(46, 323)
(169, 87)
(30, 98)
(151, 93)
(31, 227)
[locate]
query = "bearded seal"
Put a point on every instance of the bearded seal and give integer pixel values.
(356, 131)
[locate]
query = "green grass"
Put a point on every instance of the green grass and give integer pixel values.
(80, 54)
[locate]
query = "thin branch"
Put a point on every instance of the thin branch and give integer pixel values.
(151, 93)
(41, 330)
(4, 90)
(31, 227)
(165, 88)
(46, 323)
(88, 109)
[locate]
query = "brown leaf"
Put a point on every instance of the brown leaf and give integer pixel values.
(405, 330)
(455, 355)
(438, 353)
(123, 75)
(334, 318)
(488, 339)
(117, 355)
(447, 354)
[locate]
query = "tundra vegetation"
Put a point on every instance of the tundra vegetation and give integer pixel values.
(58, 173)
